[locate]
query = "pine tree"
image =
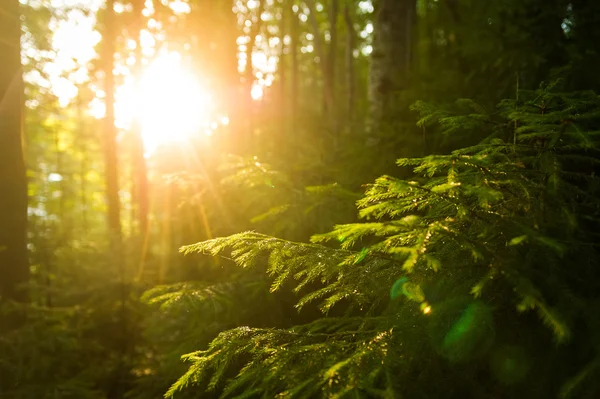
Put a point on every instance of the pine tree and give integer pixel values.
(14, 266)
(440, 274)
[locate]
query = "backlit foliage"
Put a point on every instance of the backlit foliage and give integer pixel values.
(500, 225)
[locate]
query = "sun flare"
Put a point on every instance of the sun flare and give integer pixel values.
(169, 103)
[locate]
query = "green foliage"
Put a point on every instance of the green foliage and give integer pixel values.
(295, 363)
(277, 206)
(58, 363)
(505, 221)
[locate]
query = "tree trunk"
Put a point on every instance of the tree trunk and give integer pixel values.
(334, 10)
(249, 77)
(14, 268)
(585, 37)
(324, 60)
(350, 46)
(295, 70)
(212, 30)
(390, 61)
(83, 165)
(140, 172)
(110, 132)
(282, 74)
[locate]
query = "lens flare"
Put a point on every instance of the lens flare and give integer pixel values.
(462, 328)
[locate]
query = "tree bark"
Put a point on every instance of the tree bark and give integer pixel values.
(110, 130)
(391, 59)
(14, 268)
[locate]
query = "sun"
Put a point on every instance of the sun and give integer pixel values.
(168, 102)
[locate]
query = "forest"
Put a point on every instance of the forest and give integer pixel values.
(299, 199)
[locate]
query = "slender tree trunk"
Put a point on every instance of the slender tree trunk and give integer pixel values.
(350, 74)
(585, 37)
(42, 233)
(112, 197)
(110, 132)
(14, 268)
(323, 59)
(391, 59)
(140, 170)
(295, 70)
(83, 167)
(249, 75)
(334, 10)
(282, 73)
(66, 227)
(166, 234)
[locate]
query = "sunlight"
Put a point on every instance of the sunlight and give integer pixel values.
(170, 104)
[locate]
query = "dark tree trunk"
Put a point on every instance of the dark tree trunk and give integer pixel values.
(585, 40)
(14, 268)
(391, 59)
